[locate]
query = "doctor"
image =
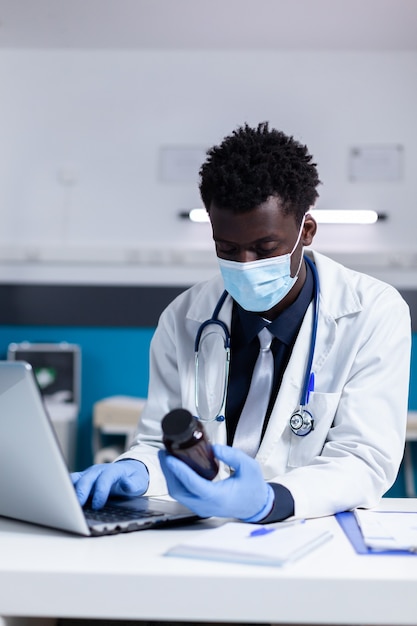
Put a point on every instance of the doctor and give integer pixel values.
(332, 435)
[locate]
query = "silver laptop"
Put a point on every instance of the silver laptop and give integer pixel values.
(35, 485)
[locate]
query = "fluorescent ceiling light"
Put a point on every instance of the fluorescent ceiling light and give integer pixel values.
(198, 215)
(322, 216)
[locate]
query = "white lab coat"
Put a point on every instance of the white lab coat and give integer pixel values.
(361, 366)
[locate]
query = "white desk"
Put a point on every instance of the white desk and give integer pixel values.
(49, 574)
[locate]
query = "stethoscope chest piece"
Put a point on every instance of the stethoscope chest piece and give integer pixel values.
(301, 422)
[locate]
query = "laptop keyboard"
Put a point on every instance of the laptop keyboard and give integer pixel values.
(112, 514)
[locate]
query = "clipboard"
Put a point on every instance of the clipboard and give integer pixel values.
(347, 521)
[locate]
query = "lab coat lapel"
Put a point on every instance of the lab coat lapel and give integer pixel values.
(337, 299)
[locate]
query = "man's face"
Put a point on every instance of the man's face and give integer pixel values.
(258, 234)
(261, 233)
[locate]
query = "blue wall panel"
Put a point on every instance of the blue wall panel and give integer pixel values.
(412, 400)
(114, 362)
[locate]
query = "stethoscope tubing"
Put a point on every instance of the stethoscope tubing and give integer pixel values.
(309, 374)
(214, 320)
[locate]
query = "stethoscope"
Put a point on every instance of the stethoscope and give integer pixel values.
(301, 421)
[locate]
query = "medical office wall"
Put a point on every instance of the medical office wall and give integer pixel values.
(100, 151)
(89, 203)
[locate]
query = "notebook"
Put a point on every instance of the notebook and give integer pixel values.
(35, 485)
(236, 542)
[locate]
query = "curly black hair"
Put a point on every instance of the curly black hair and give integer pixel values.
(253, 164)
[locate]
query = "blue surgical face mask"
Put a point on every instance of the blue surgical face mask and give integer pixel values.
(259, 285)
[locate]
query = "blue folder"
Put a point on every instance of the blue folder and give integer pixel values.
(348, 523)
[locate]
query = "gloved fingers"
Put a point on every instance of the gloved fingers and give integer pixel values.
(180, 477)
(236, 459)
(85, 482)
(102, 487)
(257, 497)
(128, 486)
(75, 476)
(194, 500)
(134, 478)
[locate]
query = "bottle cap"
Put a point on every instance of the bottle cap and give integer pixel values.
(178, 425)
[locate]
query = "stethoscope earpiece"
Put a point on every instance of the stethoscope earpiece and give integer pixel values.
(301, 422)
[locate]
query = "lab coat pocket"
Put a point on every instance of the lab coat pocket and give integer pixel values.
(322, 407)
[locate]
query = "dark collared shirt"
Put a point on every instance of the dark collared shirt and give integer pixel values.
(244, 352)
(245, 349)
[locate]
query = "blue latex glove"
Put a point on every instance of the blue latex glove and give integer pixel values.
(245, 495)
(127, 478)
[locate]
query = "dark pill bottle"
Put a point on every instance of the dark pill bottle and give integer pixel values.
(185, 438)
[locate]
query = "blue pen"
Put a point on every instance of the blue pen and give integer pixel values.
(261, 531)
(265, 530)
(310, 386)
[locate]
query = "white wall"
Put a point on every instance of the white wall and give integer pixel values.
(81, 133)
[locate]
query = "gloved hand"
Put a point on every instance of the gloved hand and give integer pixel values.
(123, 478)
(245, 495)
